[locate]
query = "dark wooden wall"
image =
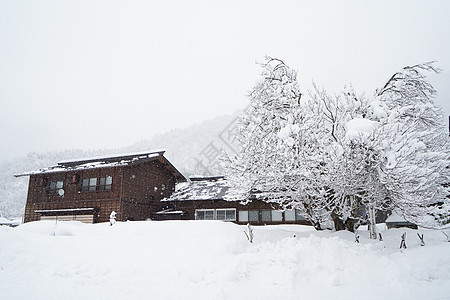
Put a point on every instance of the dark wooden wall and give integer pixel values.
(144, 186)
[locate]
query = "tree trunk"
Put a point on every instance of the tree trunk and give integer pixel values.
(350, 224)
(338, 222)
(371, 221)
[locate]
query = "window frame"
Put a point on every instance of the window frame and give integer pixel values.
(266, 215)
(252, 211)
(292, 211)
(278, 215)
(214, 212)
(106, 185)
(243, 216)
(225, 210)
(203, 211)
(296, 214)
(96, 184)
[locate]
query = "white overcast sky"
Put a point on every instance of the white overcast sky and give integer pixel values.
(102, 74)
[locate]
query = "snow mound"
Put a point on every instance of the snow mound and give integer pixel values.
(214, 260)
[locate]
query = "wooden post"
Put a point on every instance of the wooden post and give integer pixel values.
(403, 242)
(422, 242)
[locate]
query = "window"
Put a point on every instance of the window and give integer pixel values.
(277, 216)
(299, 216)
(253, 215)
(293, 215)
(90, 184)
(243, 216)
(204, 214)
(289, 215)
(54, 187)
(105, 183)
(224, 214)
(266, 215)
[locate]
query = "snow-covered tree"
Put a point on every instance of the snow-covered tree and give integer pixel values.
(334, 156)
(349, 164)
(275, 138)
(387, 152)
(414, 141)
(272, 111)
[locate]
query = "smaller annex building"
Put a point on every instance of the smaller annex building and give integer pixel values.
(88, 190)
(203, 199)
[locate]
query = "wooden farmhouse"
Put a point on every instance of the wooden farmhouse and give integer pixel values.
(88, 190)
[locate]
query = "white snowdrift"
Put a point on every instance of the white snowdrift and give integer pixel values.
(214, 260)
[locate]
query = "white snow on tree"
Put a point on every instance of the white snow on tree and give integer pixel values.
(333, 156)
(415, 146)
(279, 142)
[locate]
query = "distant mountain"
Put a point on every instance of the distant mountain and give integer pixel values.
(191, 150)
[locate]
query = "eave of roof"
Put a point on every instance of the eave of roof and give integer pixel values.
(108, 161)
(109, 158)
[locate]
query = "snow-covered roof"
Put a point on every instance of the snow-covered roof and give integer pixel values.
(111, 156)
(201, 188)
(5, 221)
(102, 162)
(395, 217)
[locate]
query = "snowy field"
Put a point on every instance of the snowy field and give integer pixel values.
(214, 260)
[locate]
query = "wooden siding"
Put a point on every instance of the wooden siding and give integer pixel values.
(144, 187)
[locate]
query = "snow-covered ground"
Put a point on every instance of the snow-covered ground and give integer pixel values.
(214, 260)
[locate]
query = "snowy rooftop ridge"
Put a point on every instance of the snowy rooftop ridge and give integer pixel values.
(96, 162)
(110, 157)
